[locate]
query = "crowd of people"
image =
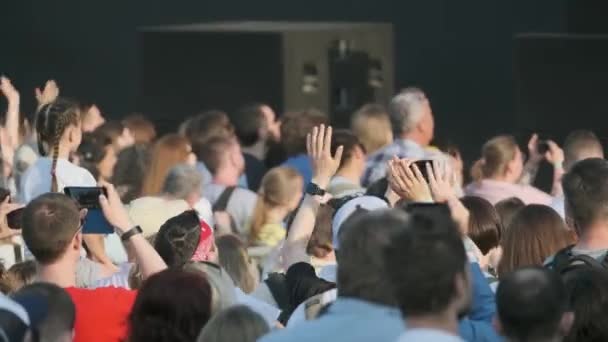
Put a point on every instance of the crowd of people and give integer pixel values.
(253, 226)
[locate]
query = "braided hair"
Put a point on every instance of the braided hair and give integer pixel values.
(52, 120)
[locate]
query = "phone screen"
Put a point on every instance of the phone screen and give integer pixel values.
(88, 198)
(421, 164)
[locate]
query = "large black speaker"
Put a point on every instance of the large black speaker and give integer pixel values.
(335, 67)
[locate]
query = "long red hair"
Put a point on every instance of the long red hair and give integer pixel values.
(167, 152)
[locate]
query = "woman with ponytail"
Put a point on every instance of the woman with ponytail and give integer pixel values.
(279, 194)
(58, 130)
(59, 133)
(498, 173)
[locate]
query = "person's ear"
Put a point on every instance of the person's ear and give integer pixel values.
(358, 153)
(565, 324)
(497, 325)
(77, 241)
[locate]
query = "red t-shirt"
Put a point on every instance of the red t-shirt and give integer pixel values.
(101, 314)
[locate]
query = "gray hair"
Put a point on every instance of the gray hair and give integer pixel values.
(181, 181)
(405, 109)
(238, 323)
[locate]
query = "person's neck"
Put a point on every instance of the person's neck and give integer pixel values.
(595, 237)
(503, 178)
(61, 273)
(351, 174)
(63, 153)
(415, 138)
(444, 321)
(226, 177)
(257, 150)
(276, 214)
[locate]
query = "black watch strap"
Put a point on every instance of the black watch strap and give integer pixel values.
(130, 233)
(314, 190)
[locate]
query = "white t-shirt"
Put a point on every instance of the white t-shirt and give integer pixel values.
(37, 179)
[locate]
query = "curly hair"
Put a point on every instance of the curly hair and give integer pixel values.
(172, 305)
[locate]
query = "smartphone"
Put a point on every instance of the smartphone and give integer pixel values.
(542, 147)
(13, 219)
(421, 164)
(88, 198)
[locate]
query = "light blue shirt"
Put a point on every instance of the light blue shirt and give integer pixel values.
(207, 177)
(351, 319)
(348, 320)
(403, 148)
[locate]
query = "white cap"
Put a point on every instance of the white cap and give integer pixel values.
(344, 212)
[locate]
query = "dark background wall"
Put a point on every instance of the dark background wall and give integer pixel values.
(460, 52)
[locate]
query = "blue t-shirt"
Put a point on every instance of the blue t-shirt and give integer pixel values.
(302, 164)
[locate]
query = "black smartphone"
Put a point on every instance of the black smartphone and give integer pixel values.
(13, 219)
(421, 164)
(542, 147)
(88, 198)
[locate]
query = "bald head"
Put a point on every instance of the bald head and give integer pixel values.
(580, 145)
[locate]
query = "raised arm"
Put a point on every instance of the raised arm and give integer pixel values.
(555, 156)
(324, 166)
(48, 94)
(145, 255)
(12, 113)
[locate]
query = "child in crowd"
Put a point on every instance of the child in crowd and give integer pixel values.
(278, 196)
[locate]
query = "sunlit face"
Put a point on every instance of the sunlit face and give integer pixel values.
(106, 166)
(93, 119)
(125, 140)
(74, 136)
(238, 161)
(516, 166)
(297, 196)
(427, 123)
(273, 125)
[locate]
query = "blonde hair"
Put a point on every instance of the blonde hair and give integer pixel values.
(276, 189)
(495, 157)
(372, 126)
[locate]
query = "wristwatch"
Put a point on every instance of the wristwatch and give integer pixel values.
(314, 190)
(130, 233)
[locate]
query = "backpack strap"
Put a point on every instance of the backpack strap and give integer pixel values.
(582, 261)
(561, 260)
(277, 284)
(222, 202)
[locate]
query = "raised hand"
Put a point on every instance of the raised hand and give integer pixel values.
(114, 210)
(324, 165)
(440, 181)
(48, 94)
(406, 180)
(555, 155)
(9, 91)
(533, 153)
